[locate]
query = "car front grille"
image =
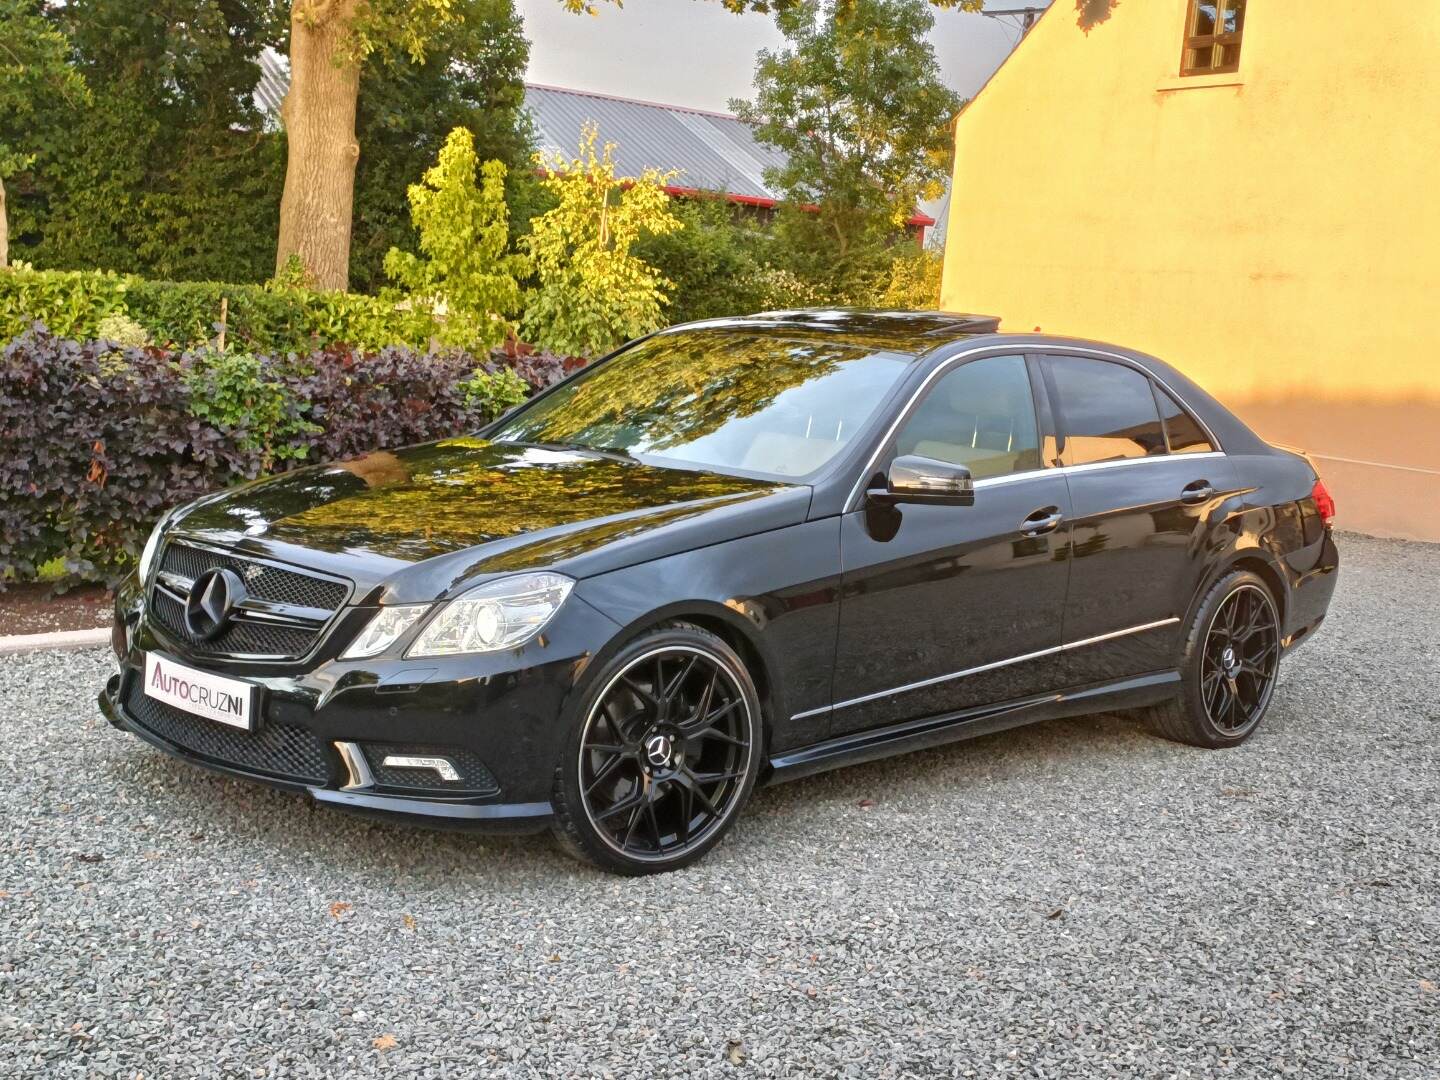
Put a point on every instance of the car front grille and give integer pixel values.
(283, 615)
(283, 751)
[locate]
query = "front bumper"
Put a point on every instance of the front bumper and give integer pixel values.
(500, 718)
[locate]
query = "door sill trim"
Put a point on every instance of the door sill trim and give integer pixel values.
(909, 735)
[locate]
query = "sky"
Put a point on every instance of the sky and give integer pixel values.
(695, 53)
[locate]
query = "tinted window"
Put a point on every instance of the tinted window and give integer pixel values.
(1107, 411)
(718, 398)
(980, 415)
(1186, 434)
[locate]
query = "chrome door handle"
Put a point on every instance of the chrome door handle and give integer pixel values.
(1198, 492)
(1045, 520)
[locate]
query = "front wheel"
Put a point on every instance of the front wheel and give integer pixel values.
(1228, 671)
(663, 755)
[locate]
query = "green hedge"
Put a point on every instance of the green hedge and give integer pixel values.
(184, 314)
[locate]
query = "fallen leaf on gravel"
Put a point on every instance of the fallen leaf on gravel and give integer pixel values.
(865, 804)
(1428, 987)
(1058, 913)
(409, 921)
(735, 1051)
(554, 958)
(339, 908)
(90, 856)
(384, 1042)
(1238, 792)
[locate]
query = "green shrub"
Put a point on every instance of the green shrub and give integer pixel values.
(95, 441)
(120, 329)
(493, 392)
(914, 282)
(276, 318)
(714, 261)
(230, 392)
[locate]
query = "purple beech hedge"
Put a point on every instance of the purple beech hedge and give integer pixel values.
(97, 441)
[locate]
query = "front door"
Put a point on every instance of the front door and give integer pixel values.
(945, 608)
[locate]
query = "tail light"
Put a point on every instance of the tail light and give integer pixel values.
(1324, 501)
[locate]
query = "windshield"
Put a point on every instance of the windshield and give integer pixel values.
(727, 400)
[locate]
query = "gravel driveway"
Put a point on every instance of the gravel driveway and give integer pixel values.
(1069, 900)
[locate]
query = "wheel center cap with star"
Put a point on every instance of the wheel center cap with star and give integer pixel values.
(659, 750)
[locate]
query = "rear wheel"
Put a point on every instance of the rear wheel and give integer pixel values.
(1228, 671)
(663, 756)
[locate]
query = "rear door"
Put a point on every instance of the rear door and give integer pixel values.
(1146, 481)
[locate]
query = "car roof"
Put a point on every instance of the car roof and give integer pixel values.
(913, 332)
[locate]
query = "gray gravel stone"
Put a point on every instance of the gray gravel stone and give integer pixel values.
(1069, 900)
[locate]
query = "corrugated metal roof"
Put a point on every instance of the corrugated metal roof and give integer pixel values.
(271, 89)
(709, 151)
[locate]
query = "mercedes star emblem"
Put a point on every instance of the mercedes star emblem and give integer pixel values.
(212, 600)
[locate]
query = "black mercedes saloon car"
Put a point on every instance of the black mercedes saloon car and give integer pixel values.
(733, 552)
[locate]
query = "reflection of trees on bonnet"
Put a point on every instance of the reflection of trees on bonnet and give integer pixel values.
(463, 492)
(677, 388)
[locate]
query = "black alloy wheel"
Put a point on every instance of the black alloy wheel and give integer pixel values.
(666, 755)
(1229, 668)
(1240, 661)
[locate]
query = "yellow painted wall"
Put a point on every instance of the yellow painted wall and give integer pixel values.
(1276, 236)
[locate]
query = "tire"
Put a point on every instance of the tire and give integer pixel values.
(1224, 695)
(650, 781)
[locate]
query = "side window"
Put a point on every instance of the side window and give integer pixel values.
(1184, 431)
(981, 415)
(1106, 411)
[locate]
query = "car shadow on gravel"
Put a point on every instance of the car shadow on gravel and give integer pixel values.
(208, 808)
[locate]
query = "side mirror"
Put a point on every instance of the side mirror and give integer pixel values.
(915, 479)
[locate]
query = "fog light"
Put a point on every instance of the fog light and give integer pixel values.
(440, 765)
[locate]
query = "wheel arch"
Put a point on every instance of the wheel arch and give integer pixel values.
(1256, 561)
(731, 627)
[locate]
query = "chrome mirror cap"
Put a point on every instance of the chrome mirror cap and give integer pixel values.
(916, 479)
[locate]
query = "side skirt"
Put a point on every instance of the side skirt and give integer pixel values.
(911, 735)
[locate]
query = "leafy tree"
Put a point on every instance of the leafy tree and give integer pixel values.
(331, 42)
(914, 282)
(464, 232)
(32, 65)
(594, 293)
(856, 102)
(168, 172)
(472, 77)
(716, 260)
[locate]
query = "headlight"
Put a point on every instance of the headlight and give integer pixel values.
(500, 614)
(387, 627)
(152, 545)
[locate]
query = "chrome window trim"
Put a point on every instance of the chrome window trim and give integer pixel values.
(1032, 350)
(936, 680)
(1091, 466)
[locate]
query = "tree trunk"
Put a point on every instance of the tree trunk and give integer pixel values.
(4, 229)
(319, 117)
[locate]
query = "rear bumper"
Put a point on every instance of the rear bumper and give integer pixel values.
(1313, 573)
(489, 816)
